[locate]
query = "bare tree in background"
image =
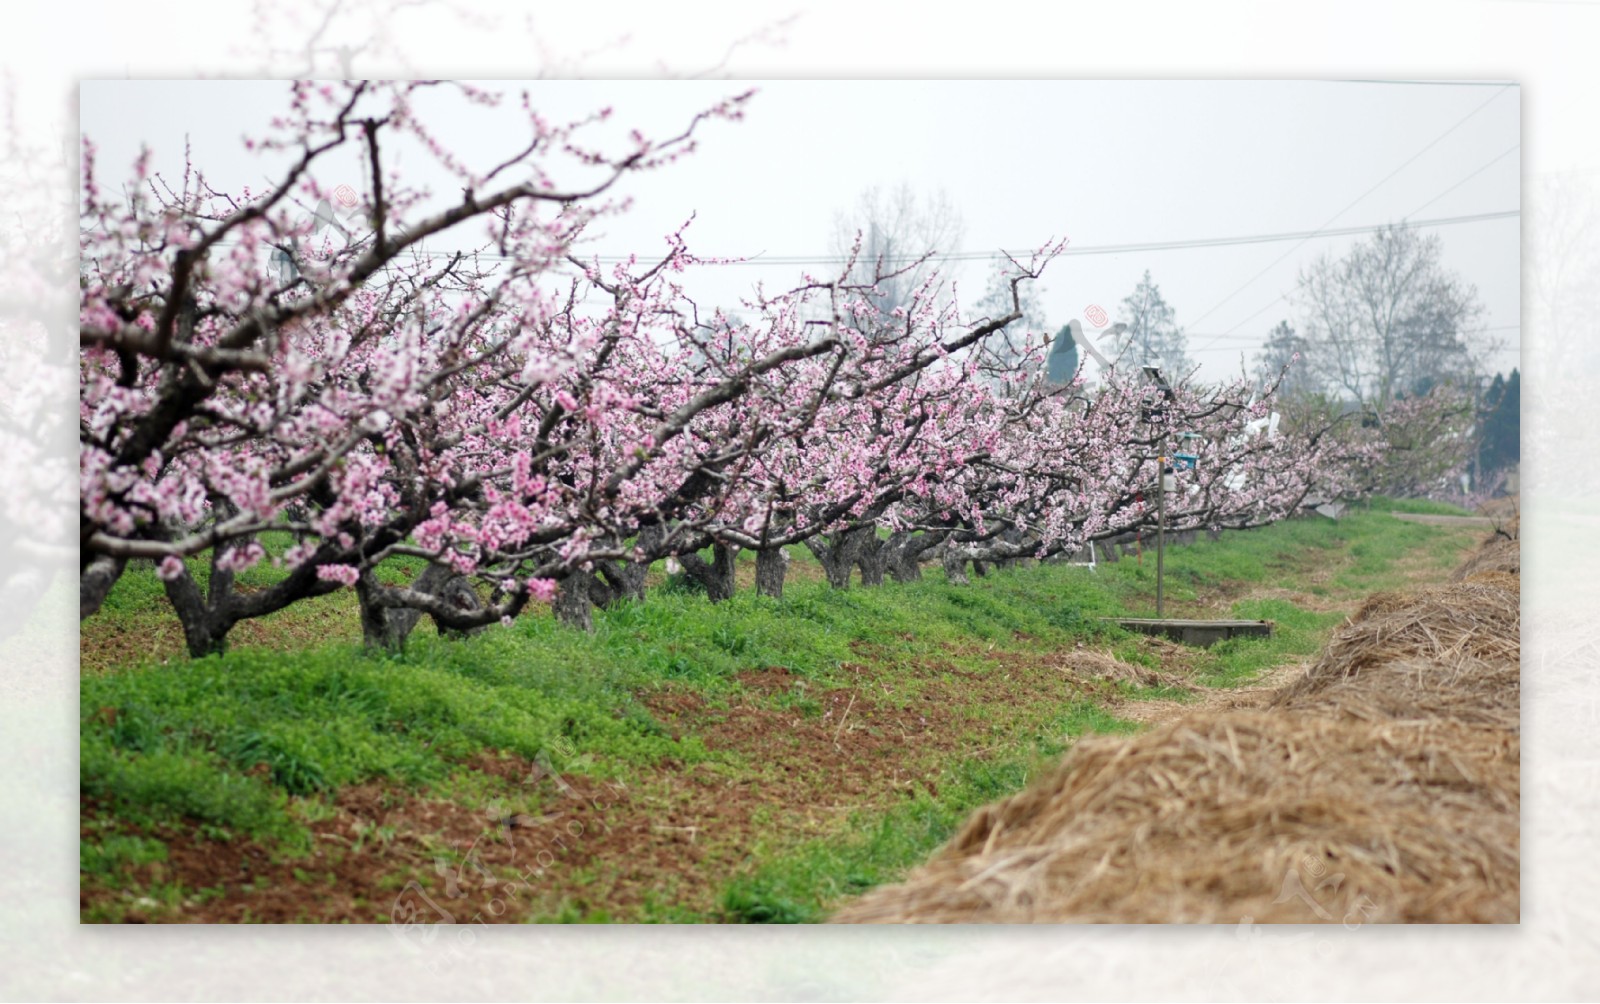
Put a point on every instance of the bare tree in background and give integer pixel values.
(902, 238)
(1388, 321)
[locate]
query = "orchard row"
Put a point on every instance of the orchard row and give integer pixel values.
(543, 427)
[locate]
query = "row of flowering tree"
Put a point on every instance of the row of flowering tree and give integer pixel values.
(540, 428)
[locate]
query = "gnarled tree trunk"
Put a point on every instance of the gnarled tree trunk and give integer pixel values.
(771, 567)
(838, 552)
(905, 553)
(716, 575)
(387, 627)
(573, 606)
(205, 627)
(954, 559)
(871, 558)
(629, 580)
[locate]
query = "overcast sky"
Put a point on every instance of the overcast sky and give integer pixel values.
(1099, 162)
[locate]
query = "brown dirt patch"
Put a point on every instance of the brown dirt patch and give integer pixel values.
(546, 844)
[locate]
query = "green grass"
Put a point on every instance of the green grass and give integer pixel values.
(256, 742)
(1362, 549)
(1296, 634)
(1425, 507)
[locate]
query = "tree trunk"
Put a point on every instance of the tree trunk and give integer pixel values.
(386, 628)
(458, 592)
(630, 579)
(205, 631)
(871, 557)
(771, 566)
(96, 581)
(716, 575)
(837, 554)
(905, 563)
(954, 560)
(572, 606)
(383, 629)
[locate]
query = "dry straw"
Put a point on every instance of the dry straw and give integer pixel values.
(1090, 664)
(1500, 552)
(1269, 816)
(1443, 652)
(1383, 786)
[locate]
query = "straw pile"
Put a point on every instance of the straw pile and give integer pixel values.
(1444, 652)
(1090, 664)
(1501, 551)
(1275, 816)
(1382, 787)
(1498, 554)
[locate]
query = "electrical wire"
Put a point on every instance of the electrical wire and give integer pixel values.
(1381, 182)
(1284, 296)
(1463, 181)
(1178, 245)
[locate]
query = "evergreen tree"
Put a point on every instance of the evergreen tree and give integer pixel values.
(1500, 435)
(1152, 336)
(1285, 353)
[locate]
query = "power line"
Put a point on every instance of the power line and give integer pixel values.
(1409, 161)
(1283, 296)
(1177, 245)
(1463, 181)
(1202, 242)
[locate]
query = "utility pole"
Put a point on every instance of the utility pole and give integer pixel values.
(1158, 416)
(1161, 526)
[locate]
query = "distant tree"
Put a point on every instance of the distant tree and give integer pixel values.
(901, 237)
(1387, 321)
(1152, 335)
(1500, 428)
(1283, 360)
(1007, 353)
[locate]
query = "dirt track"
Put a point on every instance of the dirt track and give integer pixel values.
(1478, 522)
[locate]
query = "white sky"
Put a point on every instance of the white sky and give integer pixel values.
(1101, 162)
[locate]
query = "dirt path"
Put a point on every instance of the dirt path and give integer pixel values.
(1214, 698)
(1476, 522)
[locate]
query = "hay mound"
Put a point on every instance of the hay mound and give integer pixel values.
(1496, 555)
(1474, 622)
(1444, 652)
(1091, 664)
(1414, 689)
(1276, 816)
(1511, 582)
